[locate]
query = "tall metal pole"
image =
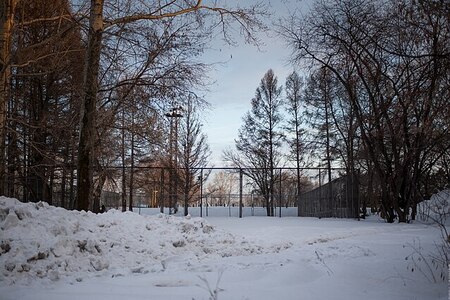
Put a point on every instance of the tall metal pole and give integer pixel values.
(173, 149)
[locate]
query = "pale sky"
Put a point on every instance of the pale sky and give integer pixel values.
(237, 79)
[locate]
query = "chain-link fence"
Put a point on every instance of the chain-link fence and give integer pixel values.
(317, 192)
(338, 198)
(237, 191)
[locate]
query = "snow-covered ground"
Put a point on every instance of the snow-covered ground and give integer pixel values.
(50, 253)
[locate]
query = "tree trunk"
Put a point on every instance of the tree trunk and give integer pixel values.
(13, 152)
(387, 209)
(327, 104)
(131, 191)
(271, 158)
(88, 107)
(72, 176)
(49, 186)
(297, 157)
(6, 23)
(97, 193)
(124, 174)
(186, 192)
(63, 185)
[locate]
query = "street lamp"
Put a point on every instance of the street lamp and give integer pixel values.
(175, 113)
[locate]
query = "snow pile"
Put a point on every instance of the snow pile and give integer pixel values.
(39, 241)
(437, 209)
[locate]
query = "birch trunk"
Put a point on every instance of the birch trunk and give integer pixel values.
(88, 107)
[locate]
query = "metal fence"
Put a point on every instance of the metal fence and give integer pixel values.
(338, 198)
(158, 187)
(221, 211)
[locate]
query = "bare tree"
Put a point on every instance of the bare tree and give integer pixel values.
(14, 21)
(136, 88)
(7, 9)
(42, 99)
(194, 153)
(397, 87)
(294, 90)
(260, 138)
(138, 13)
(221, 186)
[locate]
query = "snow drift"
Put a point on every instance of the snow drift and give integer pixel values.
(42, 242)
(437, 209)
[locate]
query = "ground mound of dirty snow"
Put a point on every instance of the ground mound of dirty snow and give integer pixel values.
(42, 242)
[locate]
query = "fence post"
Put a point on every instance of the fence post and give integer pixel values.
(355, 185)
(161, 194)
(280, 195)
(229, 204)
(201, 193)
(240, 192)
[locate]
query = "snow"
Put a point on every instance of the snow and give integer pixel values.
(437, 209)
(51, 253)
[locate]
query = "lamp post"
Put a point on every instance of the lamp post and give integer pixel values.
(175, 113)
